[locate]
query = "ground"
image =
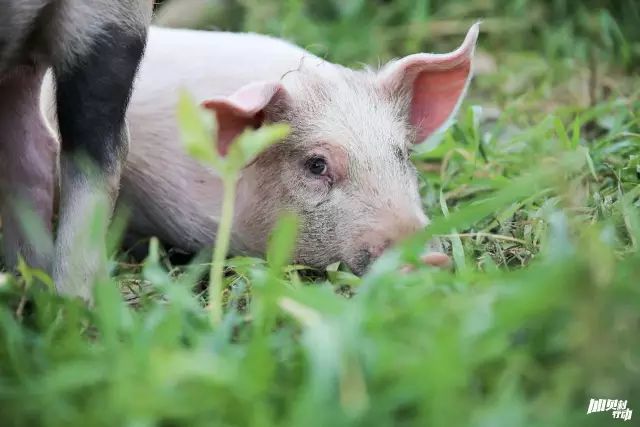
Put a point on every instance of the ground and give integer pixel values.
(536, 187)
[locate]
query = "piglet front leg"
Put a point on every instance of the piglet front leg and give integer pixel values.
(92, 97)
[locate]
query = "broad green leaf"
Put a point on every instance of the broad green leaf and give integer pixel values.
(282, 241)
(251, 143)
(561, 132)
(198, 130)
(456, 242)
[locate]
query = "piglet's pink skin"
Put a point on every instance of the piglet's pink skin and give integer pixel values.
(344, 168)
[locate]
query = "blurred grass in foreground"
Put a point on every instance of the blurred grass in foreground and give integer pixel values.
(540, 176)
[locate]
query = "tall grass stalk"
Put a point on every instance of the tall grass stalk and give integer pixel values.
(199, 130)
(223, 236)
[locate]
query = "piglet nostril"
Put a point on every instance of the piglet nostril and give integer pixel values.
(361, 262)
(374, 252)
(377, 250)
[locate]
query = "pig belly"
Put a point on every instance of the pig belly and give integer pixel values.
(172, 197)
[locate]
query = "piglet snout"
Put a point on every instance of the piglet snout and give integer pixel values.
(389, 231)
(383, 238)
(434, 259)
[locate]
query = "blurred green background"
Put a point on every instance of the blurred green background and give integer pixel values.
(536, 188)
(359, 31)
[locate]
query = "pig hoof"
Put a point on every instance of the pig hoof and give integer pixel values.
(437, 259)
(434, 259)
(405, 269)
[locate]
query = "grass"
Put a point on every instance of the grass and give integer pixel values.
(536, 187)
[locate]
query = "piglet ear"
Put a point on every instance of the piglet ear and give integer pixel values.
(436, 84)
(242, 109)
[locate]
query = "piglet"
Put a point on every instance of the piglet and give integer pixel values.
(344, 169)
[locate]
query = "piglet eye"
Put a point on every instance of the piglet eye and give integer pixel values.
(317, 166)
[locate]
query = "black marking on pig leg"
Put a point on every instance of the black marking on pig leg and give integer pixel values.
(93, 95)
(18, 21)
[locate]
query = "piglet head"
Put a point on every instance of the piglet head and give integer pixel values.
(344, 168)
